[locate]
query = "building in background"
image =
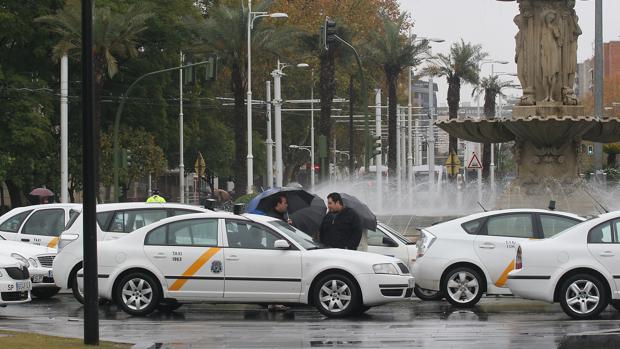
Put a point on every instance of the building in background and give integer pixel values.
(611, 59)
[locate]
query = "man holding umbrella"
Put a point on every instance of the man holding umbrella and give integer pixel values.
(280, 209)
(342, 226)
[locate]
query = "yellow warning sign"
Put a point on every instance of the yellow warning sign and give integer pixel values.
(200, 165)
(453, 164)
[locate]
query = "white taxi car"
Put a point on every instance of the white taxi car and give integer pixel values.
(466, 257)
(113, 221)
(37, 224)
(243, 259)
(39, 260)
(15, 282)
(580, 268)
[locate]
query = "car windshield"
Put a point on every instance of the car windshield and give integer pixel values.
(398, 235)
(305, 240)
(73, 216)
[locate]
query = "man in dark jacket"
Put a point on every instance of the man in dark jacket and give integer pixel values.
(341, 227)
(280, 209)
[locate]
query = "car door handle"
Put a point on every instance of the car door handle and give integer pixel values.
(487, 246)
(232, 258)
(160, 256)
(26, 240)
(607, 254)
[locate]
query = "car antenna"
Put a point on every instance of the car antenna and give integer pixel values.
(593, 198)
(479, 204)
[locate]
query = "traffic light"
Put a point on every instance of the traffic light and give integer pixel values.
(211, 71)
(329, 29)
(376, 147)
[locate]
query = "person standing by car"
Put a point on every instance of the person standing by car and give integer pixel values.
(341, 227)
(156, 197)
(280, 210)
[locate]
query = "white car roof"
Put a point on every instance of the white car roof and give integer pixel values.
(138, 205)
(512, 210)
(259, 218)
(43, 206)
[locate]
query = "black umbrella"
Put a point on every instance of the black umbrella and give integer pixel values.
(369, 220)
(309, 219)
(264, 202)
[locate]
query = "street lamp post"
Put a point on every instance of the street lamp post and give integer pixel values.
(181, 164)
(277, 102)
(312, 129)
(250, 158)
(269, 141)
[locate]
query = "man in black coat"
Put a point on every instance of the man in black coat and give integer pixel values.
(341, 227)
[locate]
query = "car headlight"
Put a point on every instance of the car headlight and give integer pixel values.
(385, 268)
(20, 258)
(66, 239)
(33, 262)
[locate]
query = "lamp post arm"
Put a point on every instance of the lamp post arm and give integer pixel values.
(119, 111)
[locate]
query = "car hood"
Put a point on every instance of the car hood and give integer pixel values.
(6, 262)
(26, 250)
(368, 258)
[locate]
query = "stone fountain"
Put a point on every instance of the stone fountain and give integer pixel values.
(548, 124)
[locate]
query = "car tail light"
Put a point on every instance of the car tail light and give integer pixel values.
(425, 242)
(519, 259)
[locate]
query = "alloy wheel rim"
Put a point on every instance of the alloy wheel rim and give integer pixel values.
(335, 296)
(582, 296)
(463, 287)
(137, 294)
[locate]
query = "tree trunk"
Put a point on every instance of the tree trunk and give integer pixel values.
(240, 125)
(454, 99)
(15, 193)
(489, 113)
(327, 85)
(611, 160)
(391, 77)
(351, 112)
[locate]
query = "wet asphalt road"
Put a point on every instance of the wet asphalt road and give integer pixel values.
(495, 323)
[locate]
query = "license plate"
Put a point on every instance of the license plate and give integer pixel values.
(22, 286)
(411, 282)
(37, 278)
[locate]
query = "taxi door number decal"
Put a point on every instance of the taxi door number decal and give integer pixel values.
(201, 261)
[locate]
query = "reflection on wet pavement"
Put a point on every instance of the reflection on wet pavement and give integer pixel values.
(502, 322)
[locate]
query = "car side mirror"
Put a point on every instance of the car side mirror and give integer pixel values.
(281, 245)
(389, 242)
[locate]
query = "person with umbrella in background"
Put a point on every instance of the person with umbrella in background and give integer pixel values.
(342, 226)
(280, 209)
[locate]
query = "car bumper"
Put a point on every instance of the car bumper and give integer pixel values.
(535, 287)
(384, 288)
(42, 277)
(427, 272)
(13, 292)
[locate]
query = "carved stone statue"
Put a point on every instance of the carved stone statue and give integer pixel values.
(551, 54)
(571, 32)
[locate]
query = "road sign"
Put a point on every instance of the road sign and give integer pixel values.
(200, 165)
(453, 164)
(474, 163)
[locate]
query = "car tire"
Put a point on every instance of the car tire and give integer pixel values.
(583, 296)
(337, 296)
(427, 295)
(168, 306)
(75, 289)
(462, 287)
(137, 294)
(45, 293)
(616, 304)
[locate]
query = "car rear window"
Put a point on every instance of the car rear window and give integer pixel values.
(472, 227)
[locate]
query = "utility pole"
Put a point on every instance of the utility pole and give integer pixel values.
(269, 141)
(64, 129)
(598, 77)
(181, 164)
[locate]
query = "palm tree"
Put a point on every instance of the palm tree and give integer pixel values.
(225, 32)
(462, 64)
(492, 87)
(394, 51)
(115, 37)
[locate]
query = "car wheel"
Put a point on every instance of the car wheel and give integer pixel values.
(336, 295)
(427, 295)
(77, 293)
(168, 306)
(583, 296)
(462, 287)
(137, 294)
(45, 293)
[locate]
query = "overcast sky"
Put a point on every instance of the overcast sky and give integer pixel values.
(489, 23)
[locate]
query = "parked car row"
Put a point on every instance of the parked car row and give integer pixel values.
(159, 256)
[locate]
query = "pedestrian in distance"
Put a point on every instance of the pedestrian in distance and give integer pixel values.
(342, 226)
(156, 197)
(280, 209)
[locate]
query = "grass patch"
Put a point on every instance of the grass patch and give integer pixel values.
(23, 340)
